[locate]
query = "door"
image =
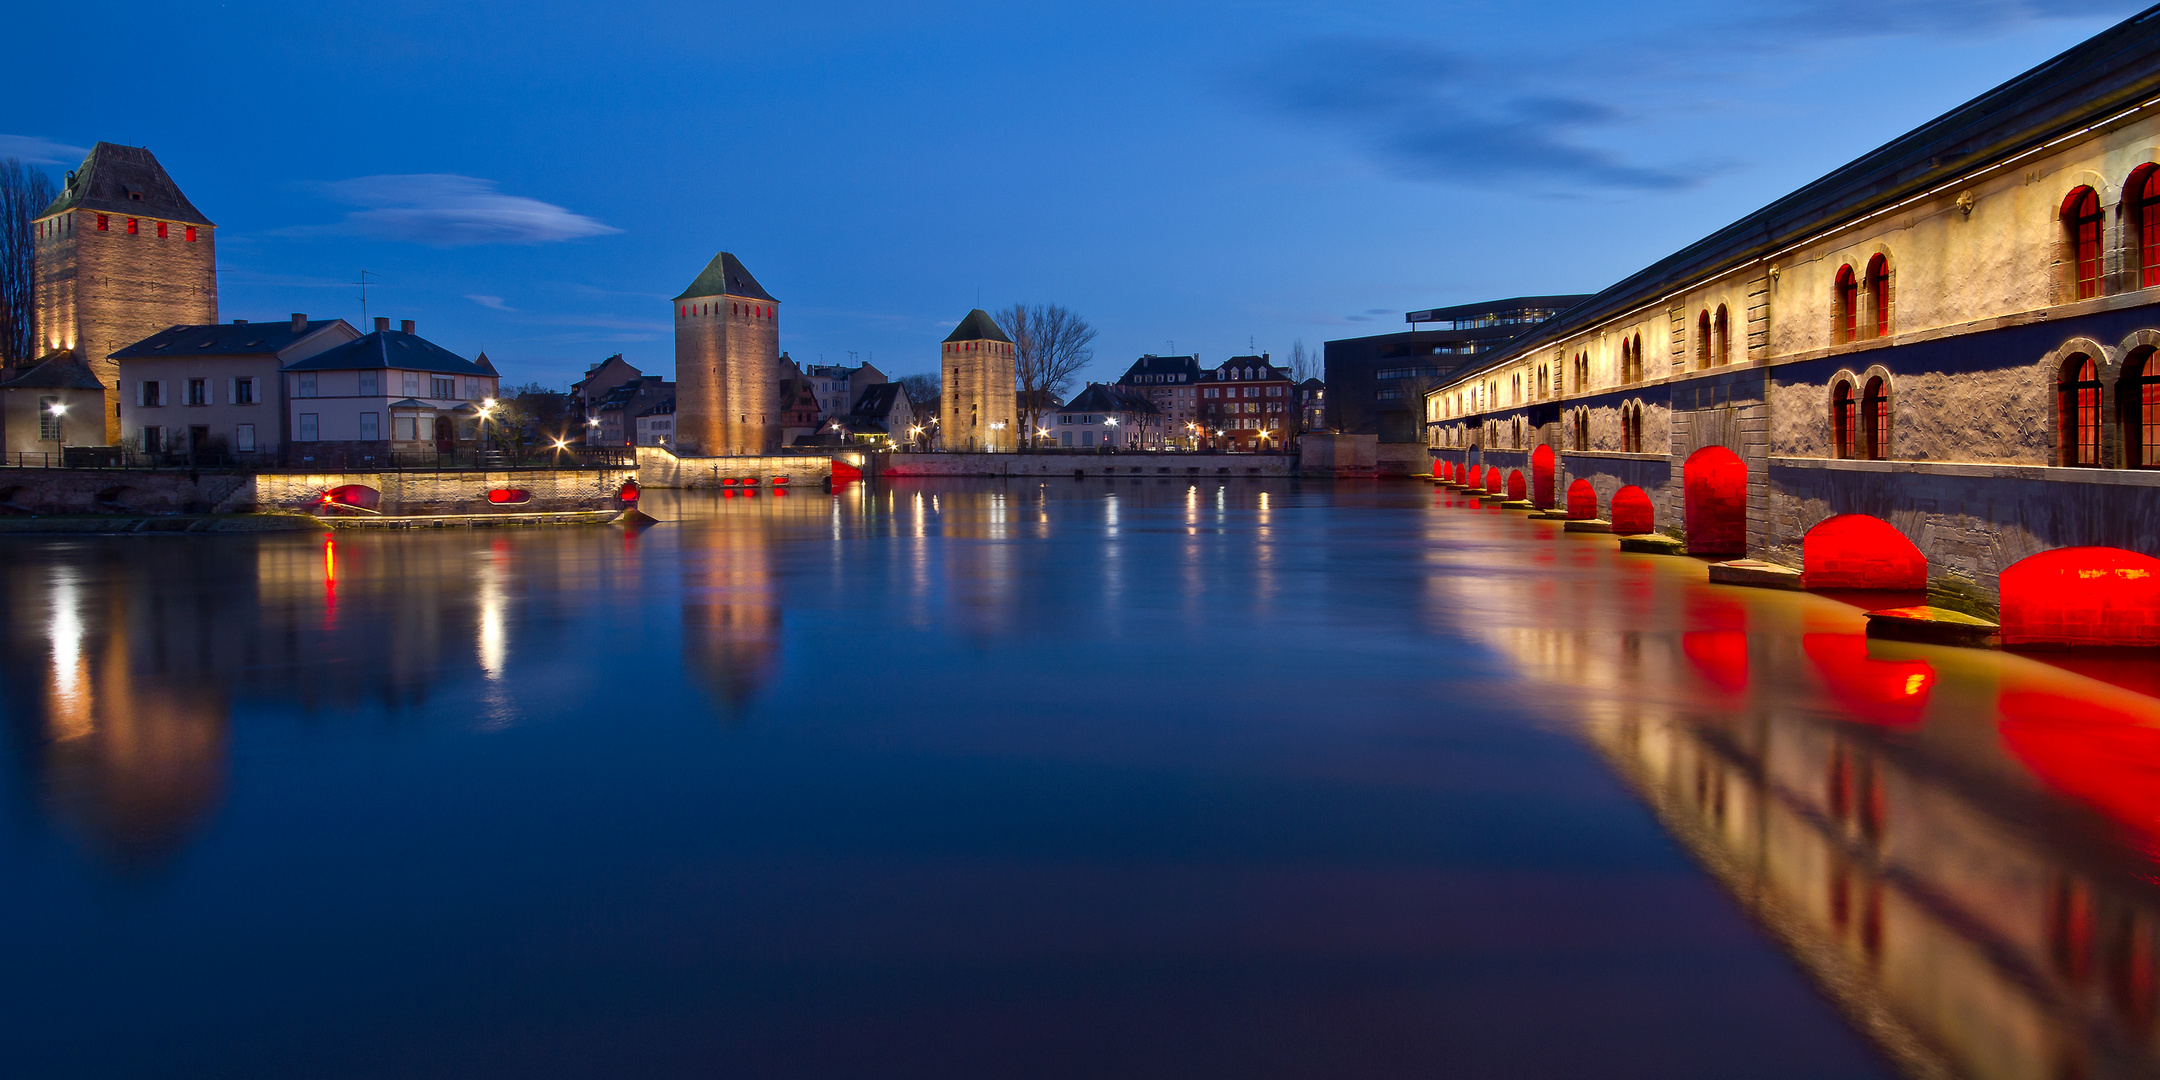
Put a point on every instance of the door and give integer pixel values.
(444, 440)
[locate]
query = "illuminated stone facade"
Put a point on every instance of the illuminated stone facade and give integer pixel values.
(120, 255)
(1950, 334)
(977, 409)
(727, 348)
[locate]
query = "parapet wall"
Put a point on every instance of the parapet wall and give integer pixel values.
(1127, 463)
(451, 492)
(659, 467)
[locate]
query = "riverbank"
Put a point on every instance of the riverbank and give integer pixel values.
(156, 524)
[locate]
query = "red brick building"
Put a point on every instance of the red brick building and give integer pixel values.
(1247, 404)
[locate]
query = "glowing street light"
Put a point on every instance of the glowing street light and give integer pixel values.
(57, 408)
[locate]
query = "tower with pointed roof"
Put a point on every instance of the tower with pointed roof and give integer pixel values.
(727, 347)
(976, 408)
(120, 255)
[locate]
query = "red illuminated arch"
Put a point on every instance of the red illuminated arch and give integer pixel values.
(1541, 477)
(353, 495)
(629, 492)
(509, 495)
(2082, 596)
(1632, 512)
(1517, 487)
(1715, 494)
(1581, 500)
(1855, 551)
(1492, 479)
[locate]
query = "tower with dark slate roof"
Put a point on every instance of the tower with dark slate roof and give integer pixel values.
(120, 255)
(976, 408)
(727, 347)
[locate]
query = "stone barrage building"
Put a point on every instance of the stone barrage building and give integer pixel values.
(727, 349)
(977, 407)
(1934, 366)
(121, 254)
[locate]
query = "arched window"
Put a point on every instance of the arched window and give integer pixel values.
(1846, 299)
(2144, 195)
(1582, 429)
(2081, 230)
(1878, 291)
(1721, 337)
(2139, 394)
(1702, 339)
(1875, 420)
(1844, 419)
(1627, 363)
(2077, 403)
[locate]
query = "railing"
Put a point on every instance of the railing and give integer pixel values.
(301, 458)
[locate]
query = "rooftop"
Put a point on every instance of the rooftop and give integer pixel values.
(726, 276)
(124, 180)
(224, 339)
(978, 326)
(389, 349)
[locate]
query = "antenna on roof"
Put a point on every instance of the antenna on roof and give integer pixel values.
(363, 294)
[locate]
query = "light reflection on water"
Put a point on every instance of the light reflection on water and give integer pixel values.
(1079, 778)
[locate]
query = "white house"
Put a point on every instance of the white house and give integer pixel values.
(391, 391)
(214, 388)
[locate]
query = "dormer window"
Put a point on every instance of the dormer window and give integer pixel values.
(135, 195)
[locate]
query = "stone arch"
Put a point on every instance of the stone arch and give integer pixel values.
(1632, 511)
(2110, 192)
(1541, 476)
(344, 497)
(1518, 488)
(1581, 500)
(1858, 551)
(1886, 430)
(1714, 497)
(2082, 596)
(2107, 362)
(2128, 429)
(1492, 479)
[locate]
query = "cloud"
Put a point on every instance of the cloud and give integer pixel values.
(446, 210)
(35, 150)
(1551, 118)
(1432, 115)
(492, 302)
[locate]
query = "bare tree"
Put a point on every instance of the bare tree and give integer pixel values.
(922, 388)
(1304, 363)
(25, 191)
(1050, 345)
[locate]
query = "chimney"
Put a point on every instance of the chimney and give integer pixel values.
(239, 322)
(406, 326)
(382, 324)
(299, 322)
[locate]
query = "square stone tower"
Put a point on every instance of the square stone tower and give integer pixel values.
(120, 255)
(727, 344)
(977, 408)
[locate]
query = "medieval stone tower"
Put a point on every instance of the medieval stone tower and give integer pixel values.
(120, 255)
(977, 405)
(727, 345)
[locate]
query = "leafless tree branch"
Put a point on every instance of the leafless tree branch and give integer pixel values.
(25, 191)
(1050, 345)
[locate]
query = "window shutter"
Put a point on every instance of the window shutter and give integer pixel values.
(141, 389)
(232, 391)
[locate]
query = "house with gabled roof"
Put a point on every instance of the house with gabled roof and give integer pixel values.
(391, 391)
(214, 390)
(1102, 416)
(54, 405)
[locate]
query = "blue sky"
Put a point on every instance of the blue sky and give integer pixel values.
(536, 180)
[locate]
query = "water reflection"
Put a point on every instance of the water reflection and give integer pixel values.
(1957, 846)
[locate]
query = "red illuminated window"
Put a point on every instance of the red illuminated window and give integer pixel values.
(161, 230)
(2081, 227)
(1847, 297)
(2145, 213)
(1875, 420)
(2077, 402)
(101, 222)
(2138, 395)
(191, 234)
(1878, 289)
(1843, 419)
(132, 223)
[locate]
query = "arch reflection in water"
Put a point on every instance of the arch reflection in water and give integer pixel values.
(1959, 847)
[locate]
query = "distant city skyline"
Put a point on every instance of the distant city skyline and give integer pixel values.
(1227, 178)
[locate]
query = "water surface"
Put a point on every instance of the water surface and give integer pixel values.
(1093, 778)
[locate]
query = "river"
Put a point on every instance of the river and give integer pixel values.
(1126, 778)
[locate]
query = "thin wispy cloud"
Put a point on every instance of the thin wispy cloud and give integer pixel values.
(494, 303)
(447, 210)
(37, 150)
(1549, 121)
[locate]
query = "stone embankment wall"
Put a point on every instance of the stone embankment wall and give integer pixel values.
(118, 491)
(451, 492)
(1131, 463)
(660, 468)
